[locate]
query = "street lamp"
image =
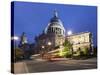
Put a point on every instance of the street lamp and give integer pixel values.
(42, 52)
(49, 43)
(42, 47)
(69, 32)
(49, 56)
(15, 38)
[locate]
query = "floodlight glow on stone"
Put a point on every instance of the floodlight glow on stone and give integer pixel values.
(69, 33)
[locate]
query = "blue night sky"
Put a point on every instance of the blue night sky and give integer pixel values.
(32, 18)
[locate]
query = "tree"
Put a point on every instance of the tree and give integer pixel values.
(79, 52)
(95, 52)
(18, 54)
(86, 51)
(67, 51)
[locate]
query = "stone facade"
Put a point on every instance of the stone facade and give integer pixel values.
(55, 33)
(81, 40)
(55, 40)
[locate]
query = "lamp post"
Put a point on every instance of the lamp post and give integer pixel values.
(42, 52)
(49, 56)
(42, 47)
(49, 44)
(15, 38)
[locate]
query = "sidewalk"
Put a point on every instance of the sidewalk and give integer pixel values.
(20, 67)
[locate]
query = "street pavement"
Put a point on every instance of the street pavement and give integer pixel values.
(58, 64)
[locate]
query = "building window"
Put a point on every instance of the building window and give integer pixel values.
(63, 31)
(60, 31)
(56, 28)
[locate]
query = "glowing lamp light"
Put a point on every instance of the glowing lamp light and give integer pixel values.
(49, 43)
(60, 52)
(15, 38)
(42, 46)
(69, 32)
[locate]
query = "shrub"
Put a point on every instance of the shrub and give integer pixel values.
(86, 51)
(95, 51)
(65, 52)
(82, 53)
(18, 54)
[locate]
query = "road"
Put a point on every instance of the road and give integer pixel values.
(60, 64)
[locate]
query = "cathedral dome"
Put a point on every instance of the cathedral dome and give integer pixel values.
(55, 25)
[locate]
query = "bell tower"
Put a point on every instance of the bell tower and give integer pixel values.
(23, 39)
